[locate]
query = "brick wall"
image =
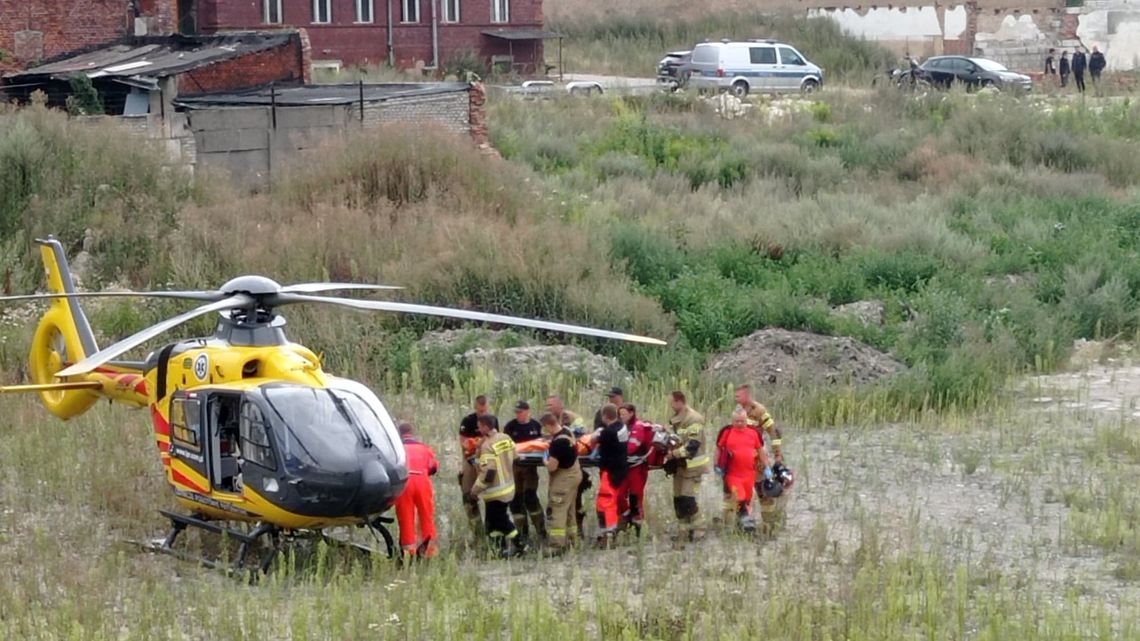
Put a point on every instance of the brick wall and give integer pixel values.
(366, 44)
(33, 30)
(450, 111)
(282, 64)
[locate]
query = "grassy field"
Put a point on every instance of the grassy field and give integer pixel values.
(983, 494)
(979, 527)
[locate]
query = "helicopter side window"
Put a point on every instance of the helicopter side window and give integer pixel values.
(255, 446)
(184, 424)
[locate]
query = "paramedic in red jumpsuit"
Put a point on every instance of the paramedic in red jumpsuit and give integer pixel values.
(418, 498)
(740, 455)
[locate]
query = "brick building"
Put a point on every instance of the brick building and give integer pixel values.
(35, 30)
(144, 75)
(407, 33)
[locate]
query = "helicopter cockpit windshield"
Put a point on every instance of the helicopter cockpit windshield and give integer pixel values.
(327, 428)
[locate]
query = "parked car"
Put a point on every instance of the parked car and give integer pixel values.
(673, 70)
(764, 66)
(974, 73)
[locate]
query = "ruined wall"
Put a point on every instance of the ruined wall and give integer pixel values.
(253, 144)
(1017, 33)
(1114, 27)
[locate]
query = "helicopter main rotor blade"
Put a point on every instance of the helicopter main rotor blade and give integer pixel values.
(316, 288)
(447, 312)
(102, 356)
(187, 295)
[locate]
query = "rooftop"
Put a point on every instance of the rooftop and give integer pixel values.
(320, 94)
(144, 61)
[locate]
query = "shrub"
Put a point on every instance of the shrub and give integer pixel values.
(905, 270)
(84, 99)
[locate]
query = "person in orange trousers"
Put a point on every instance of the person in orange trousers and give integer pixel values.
(640, 445)
(613, 479)
(418, 498)
(740, 454)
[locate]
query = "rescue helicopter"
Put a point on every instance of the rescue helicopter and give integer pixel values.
(249, 428)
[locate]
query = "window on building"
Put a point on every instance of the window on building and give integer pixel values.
(364, 11)
(322, 11)
(271, 11)
(409, 10)
(450, 10)
(500, 10)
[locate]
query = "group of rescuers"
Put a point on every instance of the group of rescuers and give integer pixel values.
(622, 446)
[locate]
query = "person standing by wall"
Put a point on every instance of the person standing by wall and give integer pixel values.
(1097, 63)
(1080, 63)
(1064, 68)
(1051, 67)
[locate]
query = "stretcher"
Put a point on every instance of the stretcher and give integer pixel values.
(531, 453)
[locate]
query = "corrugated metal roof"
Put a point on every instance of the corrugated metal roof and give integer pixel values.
(144, 61)
(319, 94)
(522, 33)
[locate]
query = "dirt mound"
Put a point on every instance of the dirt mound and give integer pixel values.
(782, 357)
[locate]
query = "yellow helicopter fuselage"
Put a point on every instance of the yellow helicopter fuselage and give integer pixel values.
(254, 432)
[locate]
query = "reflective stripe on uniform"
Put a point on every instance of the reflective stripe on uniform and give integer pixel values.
(494, 493)
(703, 459)
(557, 531)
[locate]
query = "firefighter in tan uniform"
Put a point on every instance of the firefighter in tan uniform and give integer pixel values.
(495, 484)
(688, 461)
(577, 426)
(561, 460)
(469, 439)
(771, 510)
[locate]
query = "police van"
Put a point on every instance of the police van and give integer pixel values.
(761, 66)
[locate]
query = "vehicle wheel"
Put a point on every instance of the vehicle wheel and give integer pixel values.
(740, 89)
(810, 86)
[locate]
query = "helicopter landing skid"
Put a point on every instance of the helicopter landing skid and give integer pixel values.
(378, 527)
(246, 542)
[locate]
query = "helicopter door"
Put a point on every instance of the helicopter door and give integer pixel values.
(223, 415)
(187, 438)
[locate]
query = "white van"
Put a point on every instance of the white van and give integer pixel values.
(763, 66)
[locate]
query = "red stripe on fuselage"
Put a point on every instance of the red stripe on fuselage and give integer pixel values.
(161, 425)
(182, 479)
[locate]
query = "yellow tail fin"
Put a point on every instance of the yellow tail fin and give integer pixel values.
(62, 336)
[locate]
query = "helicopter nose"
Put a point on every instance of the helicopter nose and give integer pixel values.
(376, 490)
